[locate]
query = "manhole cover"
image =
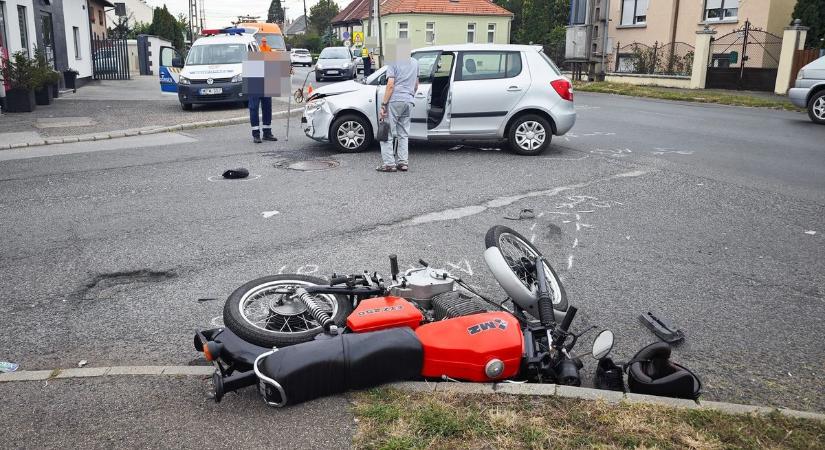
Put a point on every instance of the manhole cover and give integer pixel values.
(305, 166)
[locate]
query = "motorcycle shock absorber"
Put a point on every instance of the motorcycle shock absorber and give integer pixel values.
(314, 309)
(545, 300)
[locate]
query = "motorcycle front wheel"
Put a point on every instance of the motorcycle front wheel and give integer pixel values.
(511, 257)
(265, 313)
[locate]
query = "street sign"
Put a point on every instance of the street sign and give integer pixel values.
(358, 37)
(346, 35)
(347, 43)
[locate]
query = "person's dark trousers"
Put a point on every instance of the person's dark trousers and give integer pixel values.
(367, 67)
(266, 110)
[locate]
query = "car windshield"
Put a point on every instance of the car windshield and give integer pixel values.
(201, 55)
(334, 53)
(374, 78)
(276, 41)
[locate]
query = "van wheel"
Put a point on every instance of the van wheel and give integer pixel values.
(351, 134)
(529, 135)
(816, 108)
(186, 106)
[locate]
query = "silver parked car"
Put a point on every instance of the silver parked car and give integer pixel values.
(466, 92)
(809, 90)
(335, 62)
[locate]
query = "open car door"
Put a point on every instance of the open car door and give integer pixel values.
(169, 72)
(423, 96)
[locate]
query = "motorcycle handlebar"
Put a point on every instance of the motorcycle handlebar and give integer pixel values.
(568, 318)
(338, 280)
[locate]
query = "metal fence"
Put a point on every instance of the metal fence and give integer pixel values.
(110, 59)
(660, 59)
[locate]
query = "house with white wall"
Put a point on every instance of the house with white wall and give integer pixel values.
(137, 11)
(17, 30)
(78, 36)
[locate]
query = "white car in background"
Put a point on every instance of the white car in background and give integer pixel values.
(466, 92)
(301, 57)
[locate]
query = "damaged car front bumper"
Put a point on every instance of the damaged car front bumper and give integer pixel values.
(317, 119)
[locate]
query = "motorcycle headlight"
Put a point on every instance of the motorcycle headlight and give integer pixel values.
(184, 80)
(237, 78)
(314, 106)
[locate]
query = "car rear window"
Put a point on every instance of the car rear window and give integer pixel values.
(550, 63)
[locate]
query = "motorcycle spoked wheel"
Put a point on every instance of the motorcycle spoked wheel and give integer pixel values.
(258, 314)
(510, 257)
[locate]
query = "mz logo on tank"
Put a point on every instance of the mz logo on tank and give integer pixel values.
(378, 310)
(489, 325)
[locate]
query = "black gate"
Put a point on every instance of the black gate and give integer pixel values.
(110, 59)
(745, 59)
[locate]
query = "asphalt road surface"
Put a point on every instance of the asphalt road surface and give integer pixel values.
(711, 216)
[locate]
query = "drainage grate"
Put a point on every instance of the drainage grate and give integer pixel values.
(309, 165)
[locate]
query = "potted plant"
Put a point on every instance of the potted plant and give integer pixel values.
(53, 79)
(42, 89)
(19, 71)
(70, 77)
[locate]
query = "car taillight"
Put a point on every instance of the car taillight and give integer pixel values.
(563, 88)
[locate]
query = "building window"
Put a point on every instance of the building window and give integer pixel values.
(471, 32)
(91, 14)
(429, 32)
(76, 34)
(100, 16)
(403, 30)
(634, 12)
(721, 9)
(24, 28)
(491, 33)
(4, 38)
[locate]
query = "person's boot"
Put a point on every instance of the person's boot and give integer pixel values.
(256, 136)
(609, 376)
(268, 135)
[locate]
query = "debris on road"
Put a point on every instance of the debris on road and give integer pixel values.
(6, 366)
(82, 363)
(268, 214)
(234, 174)
(811, 232)
(526, 213)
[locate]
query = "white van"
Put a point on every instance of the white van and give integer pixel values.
(212, 72)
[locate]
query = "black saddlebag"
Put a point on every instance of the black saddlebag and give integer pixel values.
(319, 368)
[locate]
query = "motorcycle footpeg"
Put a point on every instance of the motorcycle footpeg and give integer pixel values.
(661, 328)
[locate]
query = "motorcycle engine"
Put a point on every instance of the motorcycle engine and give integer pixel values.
(422, 284)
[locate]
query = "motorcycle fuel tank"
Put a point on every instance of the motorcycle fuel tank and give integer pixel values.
(479, 347)
(379, 313)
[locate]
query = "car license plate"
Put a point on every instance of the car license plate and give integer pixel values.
(332, 72)
(211, 91)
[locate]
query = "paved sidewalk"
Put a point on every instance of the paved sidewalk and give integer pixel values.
(112, 106)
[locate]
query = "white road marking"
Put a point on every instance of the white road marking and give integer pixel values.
(811, 232)
(215, 178)
(575, 242)
(569, 262)
(268, 214)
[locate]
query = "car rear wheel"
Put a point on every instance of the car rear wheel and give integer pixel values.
(351, 134)
(816, 108)
(529, 135)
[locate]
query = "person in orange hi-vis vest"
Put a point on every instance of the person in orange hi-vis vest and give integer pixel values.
(265, 104)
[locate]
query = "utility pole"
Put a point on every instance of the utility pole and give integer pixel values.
(193, 19)
(377, 9)
(306, 18)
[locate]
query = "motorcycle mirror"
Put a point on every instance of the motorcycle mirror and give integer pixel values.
(602, 344)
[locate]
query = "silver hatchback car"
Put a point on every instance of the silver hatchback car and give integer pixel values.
(466, 92)
(809, 90)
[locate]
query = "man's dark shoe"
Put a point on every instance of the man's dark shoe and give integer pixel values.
(609, 376)
(403, 167)
(256, 139)
(270, 137)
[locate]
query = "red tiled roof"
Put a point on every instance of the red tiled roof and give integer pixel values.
(360, 9)
(356, 10)
(464, 7)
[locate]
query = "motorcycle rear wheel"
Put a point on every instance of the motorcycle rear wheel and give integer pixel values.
(263, 317)
(508, 256)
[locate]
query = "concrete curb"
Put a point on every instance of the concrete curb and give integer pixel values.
(100, 136)
(533, 389)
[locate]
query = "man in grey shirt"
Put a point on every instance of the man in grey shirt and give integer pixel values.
(396, 107)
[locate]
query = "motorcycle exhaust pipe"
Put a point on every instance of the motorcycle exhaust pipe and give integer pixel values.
(232, 383)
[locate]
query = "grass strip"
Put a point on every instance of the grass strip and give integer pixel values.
(686, 95)
(392, 419)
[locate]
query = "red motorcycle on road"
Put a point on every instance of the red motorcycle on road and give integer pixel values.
(300, 337)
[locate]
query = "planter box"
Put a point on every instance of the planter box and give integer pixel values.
(20, 100)
(43, 95)
(55, 90)
(70, 78)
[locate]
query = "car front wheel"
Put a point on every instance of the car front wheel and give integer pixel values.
(529, 135)
(186, 106)
(816, 108)
(351, 134)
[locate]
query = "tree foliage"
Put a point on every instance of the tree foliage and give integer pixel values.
(320, 16)
(166, 26)
(537, 21)
(276, 12)
(812, 15)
